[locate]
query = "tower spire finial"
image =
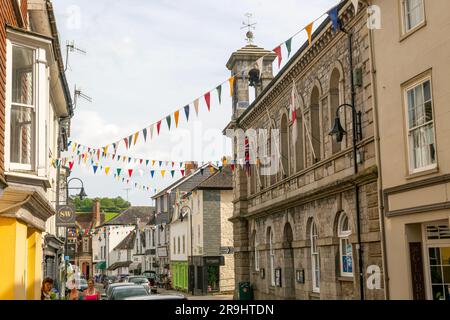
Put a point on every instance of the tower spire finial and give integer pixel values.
(250, 26)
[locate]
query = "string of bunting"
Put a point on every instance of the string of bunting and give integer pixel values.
(149, 132)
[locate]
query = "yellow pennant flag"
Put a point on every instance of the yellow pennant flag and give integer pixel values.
(211, 169)
(136, 135)
(176, 115)
(224, 161)
(105, 149)
(163, 172)
(231, 80)
(153, 163)
(107, 170)
(308, 29)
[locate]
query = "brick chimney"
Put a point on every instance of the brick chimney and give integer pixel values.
(189, 167)
(96, 213)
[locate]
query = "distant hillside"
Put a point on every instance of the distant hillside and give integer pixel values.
(108, 205)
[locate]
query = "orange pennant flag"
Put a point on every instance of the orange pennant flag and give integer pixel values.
(176, 115)
(136, 135)
(153, 163)
(308, 29)
(231, 80)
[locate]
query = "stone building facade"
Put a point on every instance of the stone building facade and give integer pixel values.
(296, 229)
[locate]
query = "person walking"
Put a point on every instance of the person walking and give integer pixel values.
(74, 293)
(46, 290)
(91, 293)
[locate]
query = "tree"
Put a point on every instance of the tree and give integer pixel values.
(107, 204)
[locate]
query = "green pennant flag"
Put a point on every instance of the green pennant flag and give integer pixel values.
(219, 93)
(118, 171)
(146, 162)
(169, 120)
(288, 44)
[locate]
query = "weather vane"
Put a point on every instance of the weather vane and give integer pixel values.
(251, 26)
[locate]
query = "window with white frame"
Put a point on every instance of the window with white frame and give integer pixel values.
(345, 247)
(174, 246)
(179, 245)
(85, 245)
(315, 258)
(23, 107)
(271, 258)
(420, 125)
(413, 14)
(184, 244)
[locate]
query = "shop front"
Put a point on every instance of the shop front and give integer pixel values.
(205, 272)
(179, 275)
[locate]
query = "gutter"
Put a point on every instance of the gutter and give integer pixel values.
(57, 49)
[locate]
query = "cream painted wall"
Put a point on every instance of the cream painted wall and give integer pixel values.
(398, 61)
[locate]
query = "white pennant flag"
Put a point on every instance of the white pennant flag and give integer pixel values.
(259, 63)
(355, 4)
(141, 172)
(151, 131)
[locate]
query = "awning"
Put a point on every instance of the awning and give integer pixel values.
(101, 265)
(121, 264)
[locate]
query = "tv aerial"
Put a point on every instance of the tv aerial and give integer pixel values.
(70, 47)
(250, 26)
(79, 94)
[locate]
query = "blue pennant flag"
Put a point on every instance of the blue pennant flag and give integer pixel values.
(334, 17)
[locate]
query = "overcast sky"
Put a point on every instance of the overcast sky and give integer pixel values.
(146, 59)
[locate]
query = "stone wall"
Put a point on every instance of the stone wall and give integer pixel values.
(322, 188)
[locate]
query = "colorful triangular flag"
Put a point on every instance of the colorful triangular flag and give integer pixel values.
(277, 50)
(288, 44)
(208, 100)
(168, 120)
(196, 106)
(158, 126)
(231, 81)
(176, 115)
(219, 93)
(308, 30)
(186, 112)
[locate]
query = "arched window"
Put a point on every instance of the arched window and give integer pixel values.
(336, 91)
(298, 141)
(315, 124)
(284, 152)
(315, 258)
(345, 247)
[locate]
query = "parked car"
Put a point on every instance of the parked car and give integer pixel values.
(122, 277)
(107, 280)
(123, 292)
(110, 288)
(140, 280)
(158, 297)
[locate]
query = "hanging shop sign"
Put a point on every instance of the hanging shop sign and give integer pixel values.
(65, 216)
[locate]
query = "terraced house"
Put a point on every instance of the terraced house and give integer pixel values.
(311, 229)
(35, 112)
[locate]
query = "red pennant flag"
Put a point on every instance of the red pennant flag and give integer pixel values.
(182, 172)
(158, 126)
(277, 50)
(208, 100)
(140, 161)
(71, 165)
(126, 142)
(130, 172)
(232, 167)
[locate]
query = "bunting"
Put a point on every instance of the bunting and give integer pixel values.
(136, 135)
(168, 120)
(176, 115)
(219, 93)
(288, 44)
(196, 106)
(277, 50)
(208, 100)
(309, 29)
(334, 17)
(158, 126)
(186, 112)
(231, 81)
(355, 5)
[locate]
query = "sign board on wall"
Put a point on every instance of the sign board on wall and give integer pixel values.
(65, 216)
